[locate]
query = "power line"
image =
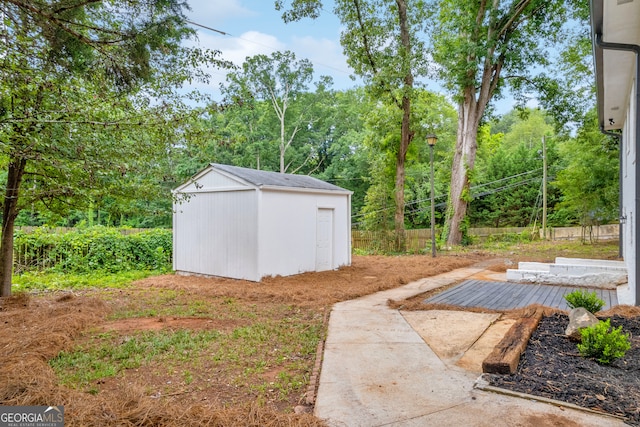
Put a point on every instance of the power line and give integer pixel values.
(507, 178)
(393, 207)
(208, 28)
(505, 187)
(474, 195)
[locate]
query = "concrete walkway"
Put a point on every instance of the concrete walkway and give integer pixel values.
(378, 371)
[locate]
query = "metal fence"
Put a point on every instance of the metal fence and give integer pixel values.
(34, 251)
(60, 230)
(26, 257)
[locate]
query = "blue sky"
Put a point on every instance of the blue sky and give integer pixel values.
(255, 27)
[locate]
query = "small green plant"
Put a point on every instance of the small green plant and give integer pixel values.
(53, 280)
(604, 343)
(107, 357)
(187, 377)
(587, 300)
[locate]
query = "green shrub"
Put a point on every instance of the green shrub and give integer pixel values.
(86, 250)
(604, 343)
(51, 280)
(587, 300)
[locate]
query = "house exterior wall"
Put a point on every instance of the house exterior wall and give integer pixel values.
(287, 231)
(627, 294)
(215, 233)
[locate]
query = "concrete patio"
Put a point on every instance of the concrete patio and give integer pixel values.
(382, 367)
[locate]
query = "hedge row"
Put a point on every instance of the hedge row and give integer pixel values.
(94, 248)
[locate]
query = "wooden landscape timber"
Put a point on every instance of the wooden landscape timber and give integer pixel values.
(505, 356)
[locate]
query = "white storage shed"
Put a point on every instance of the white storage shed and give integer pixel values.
(243, 223)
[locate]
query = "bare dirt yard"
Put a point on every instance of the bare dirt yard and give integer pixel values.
(192, 351)
(184, 350)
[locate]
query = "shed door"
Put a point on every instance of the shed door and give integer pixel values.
(324, 239)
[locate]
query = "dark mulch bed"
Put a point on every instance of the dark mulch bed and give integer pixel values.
(551, 367)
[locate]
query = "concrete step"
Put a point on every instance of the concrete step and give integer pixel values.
(585, 261)
(581, 270)
(535, 266)
(525, 275)
(592, 280)
(571, 271)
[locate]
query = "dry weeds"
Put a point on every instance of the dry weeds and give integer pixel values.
(37, 328)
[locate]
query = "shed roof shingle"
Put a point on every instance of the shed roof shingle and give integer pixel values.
(276, 179)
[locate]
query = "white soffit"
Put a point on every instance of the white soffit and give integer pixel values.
(621, 24)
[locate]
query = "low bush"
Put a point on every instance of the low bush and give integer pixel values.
(523, 237)
(587, 300)
(604, 343)
(86, 250)
(30, 281)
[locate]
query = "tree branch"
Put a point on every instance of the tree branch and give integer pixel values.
(365, 39)
(34, 120)
(509, 19)
(75, 6)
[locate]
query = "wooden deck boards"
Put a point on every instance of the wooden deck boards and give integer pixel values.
(505, 295)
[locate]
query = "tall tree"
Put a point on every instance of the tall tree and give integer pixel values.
(507, 180)
(345, 155)
(380, 39)
(77, 79)
(589, 181)
(280, 80)
(478, 44)
(381, 138)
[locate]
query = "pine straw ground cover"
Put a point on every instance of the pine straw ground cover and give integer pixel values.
(185, 351)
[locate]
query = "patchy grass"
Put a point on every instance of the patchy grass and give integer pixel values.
(162, 302)
(52, 281)
(263, 351)
(189, 351)
(545, 251)
(107, 354)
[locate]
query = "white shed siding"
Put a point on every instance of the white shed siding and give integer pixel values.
(287, 242)
(216, 234)
(247, 224)
(211, 181)
(341, 206)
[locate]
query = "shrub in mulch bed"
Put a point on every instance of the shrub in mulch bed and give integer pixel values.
(552, 367)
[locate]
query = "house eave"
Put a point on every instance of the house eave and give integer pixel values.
(616, 23)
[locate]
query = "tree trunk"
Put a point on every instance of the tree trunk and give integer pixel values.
(405, 140)
(463, 161)
(9, 213)
(282, 145)
(405, 133)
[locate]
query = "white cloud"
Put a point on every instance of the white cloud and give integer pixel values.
(234, 49)
(259, 30)
(237, 49)
(325, 54)
(215, 12)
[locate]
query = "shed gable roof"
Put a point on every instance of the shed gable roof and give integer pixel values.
(275, 179)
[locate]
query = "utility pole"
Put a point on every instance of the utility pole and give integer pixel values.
(431, 140)
(544, 189)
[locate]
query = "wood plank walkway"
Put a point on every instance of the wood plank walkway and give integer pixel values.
(505, 295)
